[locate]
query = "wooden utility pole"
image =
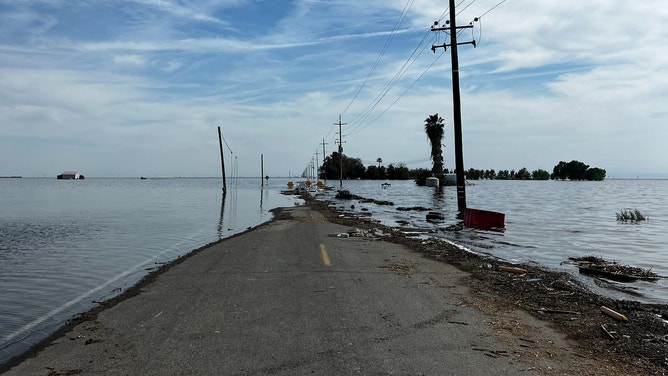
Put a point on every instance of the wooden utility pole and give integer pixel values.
(323, 158)
(456, 104)
(222, 161)
(340, 152)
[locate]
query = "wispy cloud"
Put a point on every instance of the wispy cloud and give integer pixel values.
(568, 79)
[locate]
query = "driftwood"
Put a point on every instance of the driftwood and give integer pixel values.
(547, 310)
(607, 332)
(613, 314)
(511, 269)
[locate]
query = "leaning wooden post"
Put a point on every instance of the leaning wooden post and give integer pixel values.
(222, 161)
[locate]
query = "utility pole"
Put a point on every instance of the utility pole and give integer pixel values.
(340, 152)
(456, 104)
(323, 158)
(317, 166)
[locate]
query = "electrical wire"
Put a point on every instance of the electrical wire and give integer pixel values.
(402, 71)
(228, 146)
(491, 9)
(357, 124)
(399, 97)
(397, 24)
(371, 107)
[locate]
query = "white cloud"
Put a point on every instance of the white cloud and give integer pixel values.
(142, 92)
(132, 60)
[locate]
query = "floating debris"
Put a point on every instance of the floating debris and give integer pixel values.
(435, 216)
(596, 266)
(414, 208)
(344, 195)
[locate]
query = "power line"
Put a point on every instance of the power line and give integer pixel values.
(402, 16)
(491, 9)
(402, 71)
(357, 124)
(361, 128)
(226, 144)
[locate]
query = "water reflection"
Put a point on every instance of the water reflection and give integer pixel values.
(219, 229)
(438, 198)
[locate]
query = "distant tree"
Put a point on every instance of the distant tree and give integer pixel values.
(473, 174)
(391, 171)
(523, 174)
(503, 175)
(353, 168)
(540, 175)
(371, 172)
(595, 174)
(559, 171)
(434, 128)
(576, 170)
(398, 172)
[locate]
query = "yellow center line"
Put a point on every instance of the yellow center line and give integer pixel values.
(323, 253)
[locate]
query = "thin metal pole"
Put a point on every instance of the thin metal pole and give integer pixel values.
(262, 168)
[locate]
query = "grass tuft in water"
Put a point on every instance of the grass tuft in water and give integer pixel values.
(630, 215)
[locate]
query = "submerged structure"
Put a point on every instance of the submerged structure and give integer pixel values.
(69, 175)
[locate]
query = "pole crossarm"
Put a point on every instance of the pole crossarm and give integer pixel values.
(448, 28)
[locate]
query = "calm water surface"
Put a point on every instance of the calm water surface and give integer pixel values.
(65, 244)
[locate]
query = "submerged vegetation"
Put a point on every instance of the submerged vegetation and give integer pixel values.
(630, 215)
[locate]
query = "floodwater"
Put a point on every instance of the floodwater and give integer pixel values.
(66, 244)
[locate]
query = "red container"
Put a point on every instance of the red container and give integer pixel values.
(483, 219)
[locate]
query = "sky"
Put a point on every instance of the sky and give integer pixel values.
(139, 87)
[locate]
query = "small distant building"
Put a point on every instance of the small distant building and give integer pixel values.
(70, 175)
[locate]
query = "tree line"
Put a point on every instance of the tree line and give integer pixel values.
(353, 168)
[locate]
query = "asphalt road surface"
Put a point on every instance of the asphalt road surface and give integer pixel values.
(289, 299)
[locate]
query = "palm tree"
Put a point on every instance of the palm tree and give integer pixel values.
(433, 126)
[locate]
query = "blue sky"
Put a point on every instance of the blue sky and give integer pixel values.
(138, 87)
